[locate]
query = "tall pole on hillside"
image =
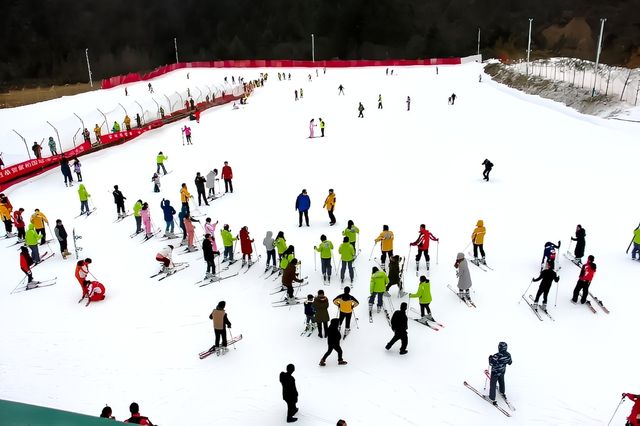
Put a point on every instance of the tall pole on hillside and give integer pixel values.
(478, 40)
(175, 46)
(86, 53)
(595, 77)
(313, 48)
(529, 45)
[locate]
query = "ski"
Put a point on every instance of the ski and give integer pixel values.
(573, 259)
(16, 243)
(535, 311)
(504, 398)
(213, 349)
(171, 272)
(135, 234)
(44, 257)
(467, 301)
(429, 320)
(426, 322)
(309, 329)
(486, 398)
(34, 285)
(599, 302)
(544, 310)
(295, 286)
(87, 213)
(216, 279)
(590, 306)
(281, 304)
(475, 261)
(121, 218)
(271, 274)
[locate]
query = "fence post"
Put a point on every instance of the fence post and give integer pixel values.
(168, 103)
(29, 153)
(83, 127)
(625, 85)
(181, 100)
(123, 108)
(141, 111)
(74, 137)
(104, 123)
(635, 103)
(57, 135)
(608, 78)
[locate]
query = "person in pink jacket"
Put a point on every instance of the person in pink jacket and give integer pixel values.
(188, 225)
(210, 228)
(146, 219)
(312, 126)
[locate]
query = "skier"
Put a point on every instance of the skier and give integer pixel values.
(191, 231)
(422, 242)
(160, 159)
(52, 146)
(399, 325)
(138, 121)
(77, 168)
(61, 236)
(280, 244)
(145, 214)
(634, 416)
(118, 199)
(150, 88)
(115, 128)
(84, 199)
(210, 228)
(549, 255)
(309, 313)
(341, 90)
(424, 298)
(303, 203)
(185, 196)
(209, 251)
(227, 176)
(288, 277)
(464, 276)
(408, 103)
(38, 220)
(452, 99)
(321, 127)
(488, 165)
(19, 222)
(136, 215)
(200, 181)
(379, 101)
(86, 135)
(352, 232)
(636, 243)
(187, 134)
(287, 257)
(66, 171)
(548, 275)
(301, 93)
(31, 240)
(312, 126)
(333, 342)
(227, 241)
(386, 244)
(25, 265)
(95, 291)
(133, 408)
(394, 276)
(164, 257)
(168, 213)
(5, 215)
(289, 392)
(156, 182)
(127, 122)
(268, 244)
(580, 243)
(296, 94)
(245, 245)
(360, 110)
(326, 254)
(377, 286)
(347, 254)
(584, 281)
(477, 238)
(346, 303)
(98, 132)
(321, 306)
(330, 205)
(498, 363)
(37, 149)
(211, 182)
(82, 275)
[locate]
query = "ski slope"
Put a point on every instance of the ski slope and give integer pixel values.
(554, 168)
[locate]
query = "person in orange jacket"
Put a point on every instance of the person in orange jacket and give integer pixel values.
(477, 238)
(330, 204)
(82, 275)
(185, 196)
(386, 244)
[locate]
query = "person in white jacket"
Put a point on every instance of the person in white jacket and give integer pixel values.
(164, 256)
(212, 176)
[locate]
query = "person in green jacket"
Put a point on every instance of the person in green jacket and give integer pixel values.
(32, 237)
(325, 249)
(227, 241)
(116, 127)
(84, 199)
(424, 297)
(636, 243)
(378, 285)
(136, 215)
(287, 256)
(280, 244)
(347, 254)
(160, 159)
(352, 232)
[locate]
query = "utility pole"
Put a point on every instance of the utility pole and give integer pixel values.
(595, 77)
(86, 53)
(175, 46)
(313, 48)
(478, 40)
(529, 45)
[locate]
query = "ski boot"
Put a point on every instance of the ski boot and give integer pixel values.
(266, 269)
(208, 275)
(244, 262)
(543, 306)
(483, 261)
(275, 269)
(534, 305)
(427, 266)
(291, 300)
(379, 308)
(404, 352)
(191, 249)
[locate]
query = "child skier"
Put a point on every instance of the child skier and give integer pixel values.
(580, 244)
(498, 363)
(156, 182)
(377, 287)
(84, 199)
(280, 244)
(145, 214)
(118, 199)
(352, 232)
(394, 276)
(77, 168)
(61, 236)
(464, 276)
(347, 254)
(288, 277)
(309, 312)
(168, 212)
(312, 126)
(227, 241)
(321, 308)
(330, 205)
(160, 159)
(548, 275)
(25, 265)
(164, 257)
(346, 303)
(220, 324)
(549, 255)
(209, 252)
(584, 281)
(191, 231)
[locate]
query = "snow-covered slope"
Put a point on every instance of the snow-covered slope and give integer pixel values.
(553, 169)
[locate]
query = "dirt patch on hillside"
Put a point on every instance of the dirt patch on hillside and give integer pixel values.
(576, 36)
(14, 98)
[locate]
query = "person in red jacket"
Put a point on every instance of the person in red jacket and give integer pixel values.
(25, 264)
(136, 418)
(634, 417)
(227, 175)
(82, 275)
(423, 245)
(586, 276)
(245, 245)
(95, 291)
(19, 222)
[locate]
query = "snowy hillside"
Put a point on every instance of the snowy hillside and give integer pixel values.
(554, 168)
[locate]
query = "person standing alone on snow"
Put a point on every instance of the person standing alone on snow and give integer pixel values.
(118, 199)
(84, 199)
(333, 342)
(227, 175)
(360, 110)
(330, 204)
(399, 325)
(321, 306)
(168, 212)
(379, 101)
(477, 238)
(408, 103)
(488, 165)
(321, 127)
(580, 243)
(160, 159)
(498, 363)
(303, 203)
(220, 324)
(584, 281)
(289, 392)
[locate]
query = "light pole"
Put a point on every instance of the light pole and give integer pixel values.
(175, 46)
(595, 77)
(478, 40)
(313, 48)
(529, 45)
(86, 53)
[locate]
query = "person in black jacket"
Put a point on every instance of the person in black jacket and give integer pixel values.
(208, 254)
(66, 171)
(498, 363)
(289, 392)
(61, 236)
(119, 198)
(399, 326)
(580, 244)
(200, 181)
(333, 342)
(548, 275)
(488, 165)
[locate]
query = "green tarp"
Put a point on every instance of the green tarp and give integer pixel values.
(18, 414)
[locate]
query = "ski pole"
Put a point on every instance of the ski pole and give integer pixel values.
(555, 304)
(631, 242)
(525, 292)
(372, 249)
(234, 343)
(408, 255)
(614, 413)
(315, 261)
(486, 377)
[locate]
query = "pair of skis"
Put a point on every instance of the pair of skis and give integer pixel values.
(33, 285)
(481, 265)
(486, 398)
(537, 309)
(215, 279)
(280, 289)
(165, 274)
(466, 298)
(431, 323)
(87, 213)
(309, 329)
(121, 218)
(219, 350)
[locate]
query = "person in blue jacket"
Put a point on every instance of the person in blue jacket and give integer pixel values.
(184, 212)
(168, 211)
(303, 203)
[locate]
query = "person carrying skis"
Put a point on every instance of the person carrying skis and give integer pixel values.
(245, 245)
(399, 325)
(25, 265)
(634, 416)
(549, 255)
(77, 169)
(548, 276)
(422, 242)
(160, 159)
(191, 231)
(330, 205)
(333, 342)
(578, 252)
(477, 238)
(347, 254)
(82, 274)
(220, 324)
(636, 243)
(346, 303)
(377, 286)
(185, 196)
(200, 181)
(268, 244)
(31, 239)
(584, 281)
(211, 182)
(288, 277)
(309, 313)
(386, 244)
(488, 165)
(66, 171)
(289, 392)
(164, 257)
(464, 276)
(118, 199)
(326, 254)
(38, 220)
(19, 222)
(394, 276)
(352, 232)
(303, 204)
(498, 363)
(168, 212)
(84, 199)
(360, 110)
(321, 307)
(52, 146)
(227, 242)
(227, 176)
(136, 215)
(61, 236)
(312, 126)
(209, 252)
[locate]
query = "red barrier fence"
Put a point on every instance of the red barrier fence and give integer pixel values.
(273, 63)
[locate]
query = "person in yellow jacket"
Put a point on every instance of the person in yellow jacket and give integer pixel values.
(346, 303)
(477, 238)
(184, 197)
(424, 297)
(5, 215)
(330, 204)
(98, 132)
(38, 220)
(636, 243)
(377, 286)
(127, 122)
(386, 244)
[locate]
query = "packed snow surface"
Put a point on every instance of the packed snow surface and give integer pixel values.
(554, 168)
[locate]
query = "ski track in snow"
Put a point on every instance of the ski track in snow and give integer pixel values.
(554, 168)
